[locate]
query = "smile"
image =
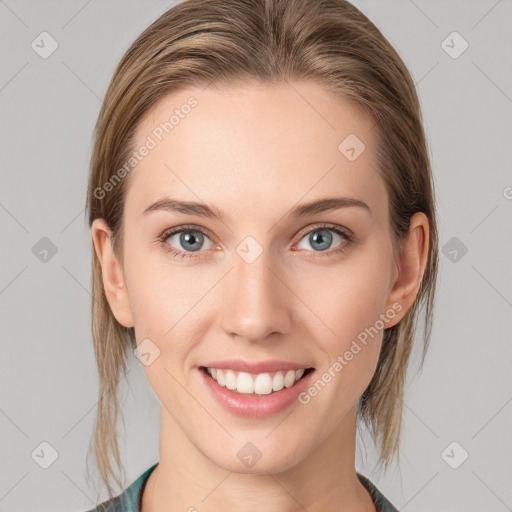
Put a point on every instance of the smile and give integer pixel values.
(259, 384)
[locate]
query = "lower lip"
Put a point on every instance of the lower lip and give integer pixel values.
(255, 405)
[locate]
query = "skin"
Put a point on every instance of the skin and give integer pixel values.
(255, 151)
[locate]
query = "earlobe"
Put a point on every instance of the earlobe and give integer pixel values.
(412, 262)
(112, 273)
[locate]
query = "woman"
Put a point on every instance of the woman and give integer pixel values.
(263, 218)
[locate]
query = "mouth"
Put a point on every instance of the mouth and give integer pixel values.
(259, 385)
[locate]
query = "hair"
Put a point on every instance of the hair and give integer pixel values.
(331, 42)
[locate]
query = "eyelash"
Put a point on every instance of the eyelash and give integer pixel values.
(347, 235)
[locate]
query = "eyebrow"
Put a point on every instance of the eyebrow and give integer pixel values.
(210, 211)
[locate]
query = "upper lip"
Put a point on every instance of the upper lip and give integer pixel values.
(256, 366)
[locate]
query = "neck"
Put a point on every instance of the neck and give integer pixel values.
(325, 480)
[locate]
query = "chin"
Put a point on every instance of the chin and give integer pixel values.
(248, 458)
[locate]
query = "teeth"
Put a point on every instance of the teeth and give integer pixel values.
(261, 384)
(244, 383)
(220, 378)
(278, 381)
(230, 379)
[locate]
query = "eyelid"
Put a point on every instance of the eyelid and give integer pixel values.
(304, 231)
(343, 231)
(184, 227)
(347, 233)
(178, 253)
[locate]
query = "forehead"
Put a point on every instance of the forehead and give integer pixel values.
(255, 146)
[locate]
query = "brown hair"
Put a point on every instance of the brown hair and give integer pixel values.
(197, 42)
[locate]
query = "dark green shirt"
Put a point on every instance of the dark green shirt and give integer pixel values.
(130, 500)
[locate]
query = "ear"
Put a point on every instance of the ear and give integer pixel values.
(410, 265)
(112, 273)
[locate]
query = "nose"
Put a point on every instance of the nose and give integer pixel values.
(255, 300)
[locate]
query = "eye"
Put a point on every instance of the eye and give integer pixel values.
(185, 241)
(322, 238)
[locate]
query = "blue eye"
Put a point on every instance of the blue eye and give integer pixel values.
(321, 238)
(188, 239)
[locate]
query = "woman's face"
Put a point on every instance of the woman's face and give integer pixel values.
(264, 279)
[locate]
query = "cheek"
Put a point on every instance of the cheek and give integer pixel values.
(153, 285)
(168, 301)
(347, 300)
(349, 335)
(348, 303)
(338, 302)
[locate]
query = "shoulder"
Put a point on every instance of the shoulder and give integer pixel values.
(382, 504)
(112, 505)
(130, 499)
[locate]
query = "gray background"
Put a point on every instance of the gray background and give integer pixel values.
(48, 380)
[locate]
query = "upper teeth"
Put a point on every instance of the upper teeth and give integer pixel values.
(261, 384)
